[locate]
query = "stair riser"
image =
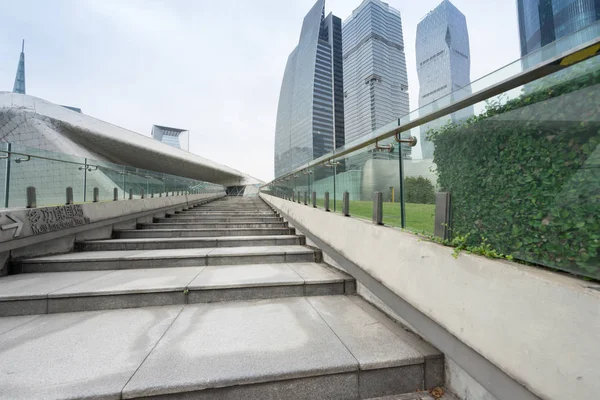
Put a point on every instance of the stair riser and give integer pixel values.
(234, 220)
(207, 225)
(368, 384)
(151, 299)
(246, 210)
(166, 263)
(149, 233)
(227, 214)
(187, 245)
(234, 207)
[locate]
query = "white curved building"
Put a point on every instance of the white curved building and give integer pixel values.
(37, 124)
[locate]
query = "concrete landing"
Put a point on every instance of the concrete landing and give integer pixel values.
(309, 347)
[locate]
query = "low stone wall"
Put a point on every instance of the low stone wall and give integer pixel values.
(538, 327)
(53, 230)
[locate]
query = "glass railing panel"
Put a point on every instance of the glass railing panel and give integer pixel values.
(381, 173)
(420, 184)
(50, 173)
(106, 177)
(524, 175)
(350, 177)
(323, 183)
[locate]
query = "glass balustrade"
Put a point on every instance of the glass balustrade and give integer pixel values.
(52, 173)
(522, 168)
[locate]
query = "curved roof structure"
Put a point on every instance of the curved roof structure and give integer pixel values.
(34, 122)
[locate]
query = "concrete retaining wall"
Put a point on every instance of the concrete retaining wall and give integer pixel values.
(539, 327)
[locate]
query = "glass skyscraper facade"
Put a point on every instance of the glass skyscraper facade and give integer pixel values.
(443, 63)
(543, 21)
(375, 78)
(310, 114)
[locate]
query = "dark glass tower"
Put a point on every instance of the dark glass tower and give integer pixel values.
(310, 114)
(543, 21)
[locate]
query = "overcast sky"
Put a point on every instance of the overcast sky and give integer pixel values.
(213, 67)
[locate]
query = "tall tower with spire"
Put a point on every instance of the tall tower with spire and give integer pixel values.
(19, 86)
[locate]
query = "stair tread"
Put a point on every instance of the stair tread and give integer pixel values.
(149, 280)
(201, 229)
(168, 253)
(173, 349)
(191, 239)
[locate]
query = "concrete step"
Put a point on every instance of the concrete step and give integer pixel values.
(212, 225)
(326, 347)
(226, 213)
(131, 259)
(57, 292)
(188, 243)
(234, 207)
(211, 219)
(158, 233)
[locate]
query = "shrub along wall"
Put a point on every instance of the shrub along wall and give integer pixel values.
(419, 189)
(525, 174)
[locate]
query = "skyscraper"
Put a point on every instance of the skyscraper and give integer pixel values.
(443, 63)
(375, 79)
(310, 114)
(19, 86)
(543, 21)
(170, 136)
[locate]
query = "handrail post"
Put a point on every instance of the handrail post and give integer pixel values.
(305, 199)
(326, 201)
(7, 177)
(346, 204)
(31, 199)
(115, 194)
(130, 193)
(85, 167)
(378, 208)
(96, 195)
(69, 195)
(443, 215)
(143, 194)
(299, 197)
(314, 199)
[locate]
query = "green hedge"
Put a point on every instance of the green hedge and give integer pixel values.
(419, 190)
(525, 174)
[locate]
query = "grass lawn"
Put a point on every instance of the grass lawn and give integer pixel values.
(419, 217)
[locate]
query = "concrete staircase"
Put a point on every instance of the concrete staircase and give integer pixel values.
(222, 301)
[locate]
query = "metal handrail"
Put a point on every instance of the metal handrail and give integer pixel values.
(573, 56)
